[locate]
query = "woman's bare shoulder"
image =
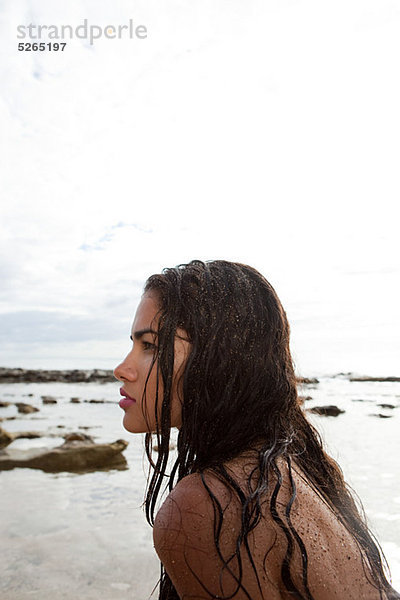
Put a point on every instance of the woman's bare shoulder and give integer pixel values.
(178, 504)
(184, 538)
(184, 541)
(189, 509)
(202, 508)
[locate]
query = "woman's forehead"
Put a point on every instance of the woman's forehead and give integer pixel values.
(146, 313)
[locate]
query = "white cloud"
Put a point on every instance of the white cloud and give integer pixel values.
(260, 132)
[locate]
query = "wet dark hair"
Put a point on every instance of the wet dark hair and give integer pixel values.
(239, 391)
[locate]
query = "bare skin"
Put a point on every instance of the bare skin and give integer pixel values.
(184, 528)
(137, 368)
(184, 540)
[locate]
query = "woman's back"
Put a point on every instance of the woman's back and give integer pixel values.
(184, 536)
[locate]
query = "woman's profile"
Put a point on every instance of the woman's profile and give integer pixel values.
(256, 508)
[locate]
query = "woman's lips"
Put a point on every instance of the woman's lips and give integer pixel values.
(126, 401)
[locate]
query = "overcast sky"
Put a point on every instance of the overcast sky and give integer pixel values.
(260, 131)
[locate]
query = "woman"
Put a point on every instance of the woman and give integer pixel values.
(256, 509)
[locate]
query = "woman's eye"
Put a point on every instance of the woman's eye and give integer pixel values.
(148, 346)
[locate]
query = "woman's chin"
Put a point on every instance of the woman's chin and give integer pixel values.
(133, 427)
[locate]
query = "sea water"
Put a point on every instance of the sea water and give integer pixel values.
(67, 535)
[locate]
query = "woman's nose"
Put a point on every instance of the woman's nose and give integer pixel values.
(126, 371)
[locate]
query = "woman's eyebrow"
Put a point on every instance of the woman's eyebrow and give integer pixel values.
(141, 332)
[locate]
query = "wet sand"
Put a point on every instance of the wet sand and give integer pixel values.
(101, 578)
(74, 536)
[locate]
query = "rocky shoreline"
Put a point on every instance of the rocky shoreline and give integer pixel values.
(17, 375)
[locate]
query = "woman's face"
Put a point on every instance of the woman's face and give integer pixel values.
(134, 370)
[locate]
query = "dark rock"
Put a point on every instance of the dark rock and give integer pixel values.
(327, 411)
(26, 409)
(67, 376)
(307, 380)
(386, 405)
(95, 401)
(49, 400)
(28, 435)
(5, 438)
(361, 400)
(381, 416)
(60, 426)
(303, 399)
(76, 435)
(75, 400)
(4, 404)
(366, 378)
(72, 456)
(342, 375)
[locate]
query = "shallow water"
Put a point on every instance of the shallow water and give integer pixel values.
(64, 535)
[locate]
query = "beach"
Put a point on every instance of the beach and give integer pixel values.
(65, 535)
